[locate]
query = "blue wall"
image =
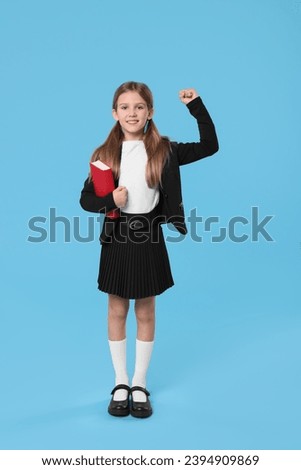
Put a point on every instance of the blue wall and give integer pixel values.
(228, 333)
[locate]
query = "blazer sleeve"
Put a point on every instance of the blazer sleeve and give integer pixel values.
(92, 203)
(208, 143)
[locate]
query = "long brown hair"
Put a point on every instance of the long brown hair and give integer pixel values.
(157, 147)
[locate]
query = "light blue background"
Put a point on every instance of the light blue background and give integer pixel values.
(225, 372)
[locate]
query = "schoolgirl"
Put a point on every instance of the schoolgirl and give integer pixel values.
(134, 262)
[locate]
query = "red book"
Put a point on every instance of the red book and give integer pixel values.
(103, 181)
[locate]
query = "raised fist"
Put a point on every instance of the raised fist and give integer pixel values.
(187, 95)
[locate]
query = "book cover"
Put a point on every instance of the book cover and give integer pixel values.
(103, 181)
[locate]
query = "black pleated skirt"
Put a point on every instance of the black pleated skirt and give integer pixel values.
(135, 264)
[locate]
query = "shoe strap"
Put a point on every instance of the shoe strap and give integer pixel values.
(140, 389)
(121, 387)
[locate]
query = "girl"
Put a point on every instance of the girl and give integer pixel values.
(134, 262)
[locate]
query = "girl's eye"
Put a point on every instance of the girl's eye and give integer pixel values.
(123, 107)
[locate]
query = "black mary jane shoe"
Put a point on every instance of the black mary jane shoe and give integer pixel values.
(141, 409)
(121, 407)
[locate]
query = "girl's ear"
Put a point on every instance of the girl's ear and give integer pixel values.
(151, 113)
(114, 114)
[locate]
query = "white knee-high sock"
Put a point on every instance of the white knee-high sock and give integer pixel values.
(143, 354)
(118, 354)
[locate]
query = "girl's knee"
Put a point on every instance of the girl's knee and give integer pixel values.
(145, 309)
(118, 307)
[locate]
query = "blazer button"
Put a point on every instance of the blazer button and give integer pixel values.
(165, 195)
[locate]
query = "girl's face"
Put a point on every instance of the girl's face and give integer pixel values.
(132, 113)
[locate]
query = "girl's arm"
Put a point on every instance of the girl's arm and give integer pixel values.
(208, 143)
(92, 203)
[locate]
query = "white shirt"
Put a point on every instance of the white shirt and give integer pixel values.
(141, 198)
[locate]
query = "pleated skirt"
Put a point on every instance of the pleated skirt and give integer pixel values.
(134, 265)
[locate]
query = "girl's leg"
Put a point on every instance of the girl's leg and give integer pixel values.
(145, 315)
(117, 314)
(118, 310)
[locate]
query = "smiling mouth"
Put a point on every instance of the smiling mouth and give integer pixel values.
(132, 122)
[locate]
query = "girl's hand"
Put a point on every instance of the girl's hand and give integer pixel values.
(120, 196)
(188, 95)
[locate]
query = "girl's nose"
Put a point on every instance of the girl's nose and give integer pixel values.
(132, 112)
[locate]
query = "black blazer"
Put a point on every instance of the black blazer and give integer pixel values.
(170, 204)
